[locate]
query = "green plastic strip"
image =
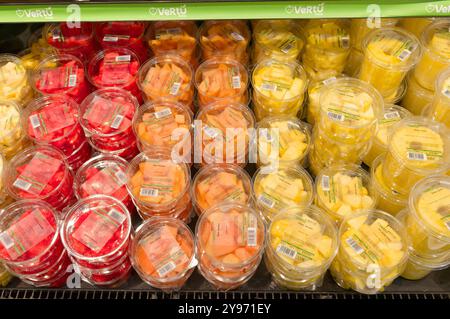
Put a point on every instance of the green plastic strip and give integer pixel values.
(222, 10)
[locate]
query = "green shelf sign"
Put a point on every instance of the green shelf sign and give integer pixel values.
(222, 10)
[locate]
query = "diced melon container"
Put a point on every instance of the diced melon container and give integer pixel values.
(221, 79)
(389, 53)
(163, 253)
(418, 147)
(277, 41)
(359, 28)
(391, 115)
(439, 109)
(416, 97)
(349, 110)
(343, 190)
(278, 88)
(373, 252)
(278, 187)
(283, 139)
(215, 184)
(388, 200)
(12, 135)
(301, 244)
(14, 80)
(435, 41)
(230, 241)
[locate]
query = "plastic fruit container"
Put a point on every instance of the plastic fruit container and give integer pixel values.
(416, 25)
(435, 41)
(392, 114)
(439, 110)
(359, 28)
(54, 120)
(4, 198)
(123, 34)
(277, 41)
(38, 49)
(127, 152)
(116, 67)
(301, 244)
(77, 40)
(278, 88)
(225, 38)
(224, 133)
(218, 183)
(343, 190)
(14, 80)
(106, 116)
(221, 80)
(389, 53)
(103, 175)
(163, 253)
(5, 276)
(277, 188)
(167, 78)
(416, 97)
(418, 147)
(61, 74)
(12, 135)
(373, 252)
(283, 139)
(354, 62)
(40, 172)
(230, 242)
(159, 186)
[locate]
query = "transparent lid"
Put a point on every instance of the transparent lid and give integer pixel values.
(330, 35)
(67, 36)
(13, 74)
(10, 123)
(172, 37)
(315, 87)
(224, 36)
(435, 38)
(392, 114)
(96, 227)
(108, 112)
(442, 86)
(119, 33)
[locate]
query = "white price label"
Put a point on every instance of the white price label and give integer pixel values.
(149, 192)
(117, 121)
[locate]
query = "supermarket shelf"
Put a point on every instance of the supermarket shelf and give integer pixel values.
(110, 10)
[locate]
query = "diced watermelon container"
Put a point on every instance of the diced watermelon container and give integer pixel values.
(96, 231)
(103, 174)
(53, 120)
(30, 245)
(128, 152)
(40, 172)
(77, 40)
(163, 253)
(115, 67)
(123, 34)
(106, 116)
(61, 74)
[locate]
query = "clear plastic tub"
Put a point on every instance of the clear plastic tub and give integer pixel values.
(127, 152)
(4, 198)
(439, 110)
(416, 97)
(163, 253)
(435, 41)
(416, 25)
(54, 120)
(224, 133)
(116, 67)
(343, 190)
(354, 62)
(221, 80)
(159, 186)
(277, 41)
(167, 78)
(283, 139)
(275, 189)
(5, 276)
(392, 115)
(12, 135)
(61, 74)
(218, 183)
(103, 175)
(230, 242)
(418, 147)
(388, 200)
(38, 49)
(123, 34)
(359, 28)
(389, 53)
(373, 252)
(40, 172)
(278, 88)
(301, 244)
(225, 38)
(14, 80)
(106, 116)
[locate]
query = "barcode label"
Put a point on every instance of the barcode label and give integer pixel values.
(123, 58)
(211, 132)
(117, 216)
(175, 88)
(352, 243)
(335, 116)
(237, 36)
(266, 201)
(415, 156)
(121, 177)
(288, 252)
(404, 55)
(149, 192)
(391, 115)
(251, 237)
(35, 122)
(269, 87)
(117, 121)
(110, 38)
(329, 80)
(21, 184)
(6, 240)
(236, 82)
(163, 113)
(326, 183)
(72, 80)
(167, 268)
